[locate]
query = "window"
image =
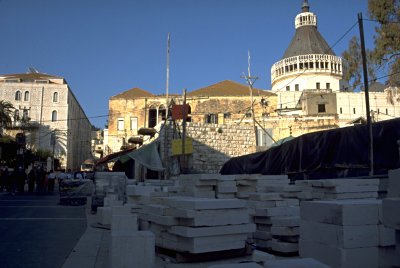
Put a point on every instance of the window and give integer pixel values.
(248, 114)
(134, 123)
(55, 97)
(212, 119)
(18, 95)
(378, 111)
(227, 115)
(354, 110)
(120, 124)
(321, 108)
(54, 116)
(26, 96)
(287, 88)
(296, 87)
(328, 85)
(318, 85)
(386, 111)
(341, 111)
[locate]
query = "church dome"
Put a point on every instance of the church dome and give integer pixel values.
(308, 63)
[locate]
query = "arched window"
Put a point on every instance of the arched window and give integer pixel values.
(18, 95)
(55, 97)
(26, 96)
(54, 116)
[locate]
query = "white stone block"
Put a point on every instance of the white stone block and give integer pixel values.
(286, 221)
(394, 183)
(124, 223)
(389, 257)
(132, 249)
(353, 236)
(284, 247)
(227, 189)
(139, 190)
(225, 195)
(121, 210)
(344, 182)
(159, 219)
(261, 256)
(212, 231)
(104, 215)
(203, 203)
(236, 265)
(391, 212)
(157, 209)
(278, 211)
(342, 212)
(295, 263)
(366, 257)
(211, 217)
(387, 236)
(262, 235)
(284, 231)
(265, 196)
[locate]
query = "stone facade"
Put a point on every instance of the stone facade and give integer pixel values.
(54, 114)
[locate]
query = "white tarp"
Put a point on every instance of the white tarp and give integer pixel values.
(147, 155)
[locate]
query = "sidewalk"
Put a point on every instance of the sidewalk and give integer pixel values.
(92, 249)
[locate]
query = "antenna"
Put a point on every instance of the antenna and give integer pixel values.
(32, 70)
(250, 81)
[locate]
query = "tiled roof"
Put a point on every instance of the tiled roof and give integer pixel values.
(35, 76)
(228, 88)
(133, 93)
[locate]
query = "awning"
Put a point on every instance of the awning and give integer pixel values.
(113, 157)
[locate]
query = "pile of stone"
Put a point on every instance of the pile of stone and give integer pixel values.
(198, 185)
(338, 189)
(247, 184)
(199, 225)
(343, 233)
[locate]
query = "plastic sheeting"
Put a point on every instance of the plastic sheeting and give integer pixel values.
(147, 155)
(336, 153)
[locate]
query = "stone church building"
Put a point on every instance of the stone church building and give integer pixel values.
(308, 94)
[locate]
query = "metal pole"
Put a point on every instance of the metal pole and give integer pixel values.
(184, 132)
(365, 72)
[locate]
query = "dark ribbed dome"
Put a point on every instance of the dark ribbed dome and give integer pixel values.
(307, 40)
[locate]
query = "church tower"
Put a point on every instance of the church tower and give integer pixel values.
(309, 64)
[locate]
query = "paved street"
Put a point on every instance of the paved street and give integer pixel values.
(37, 232)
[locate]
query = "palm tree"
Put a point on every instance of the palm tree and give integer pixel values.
(6, 110)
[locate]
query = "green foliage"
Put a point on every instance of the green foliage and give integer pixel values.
(385, 56)
(42, 154)
(387, 38)
(6, 110)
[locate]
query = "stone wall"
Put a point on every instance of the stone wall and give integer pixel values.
(213, 145)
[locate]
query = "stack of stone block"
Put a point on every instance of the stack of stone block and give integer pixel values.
(143, 194)
(343, 233)
(390, 256)
(199, 225)
(333, 189)
(247, 184)
(226, 187)
(198, 185)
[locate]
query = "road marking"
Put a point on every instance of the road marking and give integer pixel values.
(38, 219)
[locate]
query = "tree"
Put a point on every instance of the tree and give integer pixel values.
(385, 56)
(6, 110)
(387, 37)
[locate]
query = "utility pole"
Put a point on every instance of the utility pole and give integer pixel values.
(365, 72)
(166, 160)
(250, 81)
(184, 164)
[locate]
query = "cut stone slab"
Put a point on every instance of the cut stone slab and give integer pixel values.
(387, 236)
(278, 211)
(342, 212)
(124, 223)
(285, 231)
(265, 196)
(353, 236)
(236, 265)
(132, 249)
(394, 183)
(391, 212)
(162, 220)
(261, 256)
(203, 203)
(338, 257)
(286, 221)
(104, 215)
(140, 190)
(262, 235)
(157, 209)
(344, 182)
(212, 231)
(284, 247)
(211, 217)
(295, 263)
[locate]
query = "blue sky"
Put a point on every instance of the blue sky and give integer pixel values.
(104, 47)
